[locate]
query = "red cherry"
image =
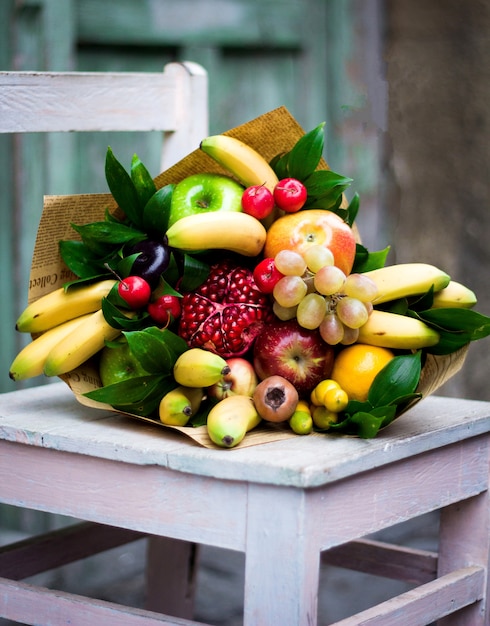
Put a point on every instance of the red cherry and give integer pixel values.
(257, 201)
(164, 309)
(290, 195)
(135, 291)
(266, 275)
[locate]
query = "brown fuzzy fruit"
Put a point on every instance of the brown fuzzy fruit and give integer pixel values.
(226, 313)
(275, 399)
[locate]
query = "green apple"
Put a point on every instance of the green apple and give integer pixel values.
(205, 192)
(117, 363)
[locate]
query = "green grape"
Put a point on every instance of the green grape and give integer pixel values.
(361, 287)
(351, 335)
(317, 257)
(284, 313)
(289, 291)
(352, 312)
(331, 329)
(311, 311)
(290, 263)
(329, 280)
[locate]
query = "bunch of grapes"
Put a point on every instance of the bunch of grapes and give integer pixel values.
(321, 296)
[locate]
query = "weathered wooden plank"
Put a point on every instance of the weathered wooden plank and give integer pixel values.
(426, 603)
(238, 23)
(32, 102)
(36, 605)
(59, 547)
(383, 559)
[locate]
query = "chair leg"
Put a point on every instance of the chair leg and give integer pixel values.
(171, 571)
(465, 541)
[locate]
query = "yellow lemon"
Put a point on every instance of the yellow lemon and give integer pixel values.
(356, 366)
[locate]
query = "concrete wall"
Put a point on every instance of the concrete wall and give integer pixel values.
(436, 175)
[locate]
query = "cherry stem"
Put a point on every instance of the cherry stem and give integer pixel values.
(107, 266)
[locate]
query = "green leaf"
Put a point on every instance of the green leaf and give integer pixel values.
(142, 181)
(366, 261)
(80, 259)
(124, 392)
(194, 273)
(352, 210)
(116, 318)
(102, 237)
(280, 165)
(324, 188)
(157, 211)
(398, 378)
(475, 324)
(122, 188)
(306, 154)
(156, 350)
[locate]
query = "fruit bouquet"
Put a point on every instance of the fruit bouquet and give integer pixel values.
(231, 297)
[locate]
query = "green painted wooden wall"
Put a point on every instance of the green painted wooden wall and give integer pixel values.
(304, 54)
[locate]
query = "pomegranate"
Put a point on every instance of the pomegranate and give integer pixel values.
(226, 313)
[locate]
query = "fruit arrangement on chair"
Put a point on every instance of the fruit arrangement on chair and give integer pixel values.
(245, 297)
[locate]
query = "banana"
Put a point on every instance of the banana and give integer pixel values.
(224, 230)
(455, 295)
(60, 306)
(231, 419)
(199, 368)
(30, 360)
(179, 405)
(241, 160)
(79, 345)
(406, 279)
(389, 330)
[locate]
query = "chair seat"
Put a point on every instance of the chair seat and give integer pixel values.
(283, 502)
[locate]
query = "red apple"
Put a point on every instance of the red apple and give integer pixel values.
(308, 227)
(241, 380)
(299, 355)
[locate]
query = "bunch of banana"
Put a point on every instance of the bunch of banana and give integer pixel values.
(180, 404)
(405, 280)
(72, 329)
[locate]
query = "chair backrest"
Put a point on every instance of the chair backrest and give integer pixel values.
(173, 102)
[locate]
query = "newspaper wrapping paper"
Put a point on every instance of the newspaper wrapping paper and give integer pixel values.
(270, 134)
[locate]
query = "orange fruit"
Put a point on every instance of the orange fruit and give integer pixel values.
(356, 366)
(308, 227)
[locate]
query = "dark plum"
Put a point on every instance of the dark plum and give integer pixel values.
(153, 259)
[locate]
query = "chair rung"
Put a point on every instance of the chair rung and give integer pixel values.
(37, 605)
(426, 603)
(384, 559)
(43, 552)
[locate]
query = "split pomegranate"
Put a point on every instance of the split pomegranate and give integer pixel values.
(226, 313)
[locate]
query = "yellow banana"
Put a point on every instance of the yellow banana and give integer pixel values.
(30, 360)
(241, 160)
(230, 420)
(454, 295)
(179, 405)
(60, 306)
(389, 330)
(223, 230)
(199, 368)
(406, 279)
(79, 345)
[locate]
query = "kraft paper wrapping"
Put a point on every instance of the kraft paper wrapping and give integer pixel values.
(270, 134)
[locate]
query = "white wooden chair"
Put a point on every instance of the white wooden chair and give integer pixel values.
(286, 504)
(173, 103)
